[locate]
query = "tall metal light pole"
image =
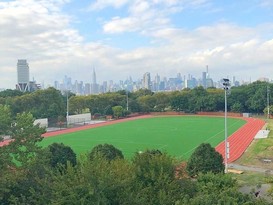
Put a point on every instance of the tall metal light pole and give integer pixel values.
(226, 85)
(67, 109)
(268, 102)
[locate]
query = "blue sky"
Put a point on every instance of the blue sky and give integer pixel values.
(121, 38)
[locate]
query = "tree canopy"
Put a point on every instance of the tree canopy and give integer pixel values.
(205, 159)
(106, 151)
(61, 154)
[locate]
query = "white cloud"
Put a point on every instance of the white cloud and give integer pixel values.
(226, 48)
(266, 3)
(101, 4)
(139, 7)
(147, 15)
(119, 25)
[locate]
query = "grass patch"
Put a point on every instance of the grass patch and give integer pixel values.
(250, 178)
(177, 135)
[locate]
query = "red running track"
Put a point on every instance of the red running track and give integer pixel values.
(241, 139)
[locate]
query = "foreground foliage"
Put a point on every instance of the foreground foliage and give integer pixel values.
(32, 175)
(150, 178)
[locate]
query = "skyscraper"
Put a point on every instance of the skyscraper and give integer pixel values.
(204, 79)
(147, 81)
(22, 75)
(94, 78)
(94, 85)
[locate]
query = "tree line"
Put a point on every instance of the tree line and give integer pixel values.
(51, 103)
(31, 174)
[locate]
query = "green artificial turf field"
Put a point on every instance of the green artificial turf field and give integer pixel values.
(177, 135)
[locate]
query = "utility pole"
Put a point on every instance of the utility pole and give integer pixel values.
(127, 100)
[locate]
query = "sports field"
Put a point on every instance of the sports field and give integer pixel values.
(177, 135)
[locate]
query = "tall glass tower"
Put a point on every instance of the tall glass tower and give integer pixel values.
(94, 85)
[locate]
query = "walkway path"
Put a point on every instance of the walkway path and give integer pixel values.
(250, 168)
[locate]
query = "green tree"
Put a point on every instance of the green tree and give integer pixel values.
(48, 103)
(270, 110)
(77, 104)
(17, 158)
(61, 154)
(134, 105)
(162, 101)
(197, 99)
(256, 96)
(5, 120)
(10, 93)
(142, 92)
(147, 103)
(214, 189)
(106, 151)
(237, 99)
(25, 137)
(205, 159)
(237, 107)
(155, 175)
(89, 182)
(180, 102)
(118, 111)
(103, 103)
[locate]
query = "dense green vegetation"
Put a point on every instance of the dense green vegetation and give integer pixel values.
(51, 103)
(178, 135)
(33, 175)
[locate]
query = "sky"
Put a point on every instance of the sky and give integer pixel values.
(122, 38)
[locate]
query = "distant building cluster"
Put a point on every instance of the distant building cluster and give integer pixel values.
(156, 84)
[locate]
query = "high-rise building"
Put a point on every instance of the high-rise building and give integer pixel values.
(22, 75)
(87, 89)
(204, 79)
(156, 83)
(94, 78)
(147, 81)
(94, 85)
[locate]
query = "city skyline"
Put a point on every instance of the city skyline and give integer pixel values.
(122, 38)
(155, 83)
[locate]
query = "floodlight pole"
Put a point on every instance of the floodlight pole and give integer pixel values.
(268, 103)
(226, 87)
(67, 108)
